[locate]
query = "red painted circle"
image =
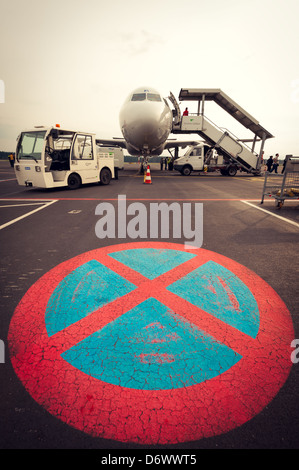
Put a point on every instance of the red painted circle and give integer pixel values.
(98, 408)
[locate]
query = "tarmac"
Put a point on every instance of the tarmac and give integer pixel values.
(248, 260)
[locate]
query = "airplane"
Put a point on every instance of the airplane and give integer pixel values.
(145, 120)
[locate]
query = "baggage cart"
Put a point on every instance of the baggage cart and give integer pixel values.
(283, 186)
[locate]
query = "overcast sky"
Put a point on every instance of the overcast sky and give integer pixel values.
(73, 62)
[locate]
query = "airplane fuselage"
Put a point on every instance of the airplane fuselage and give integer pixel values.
(146, 122)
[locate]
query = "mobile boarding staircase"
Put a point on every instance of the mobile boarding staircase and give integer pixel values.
(225, 143)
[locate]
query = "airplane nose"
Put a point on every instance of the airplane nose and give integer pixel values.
(147, 127)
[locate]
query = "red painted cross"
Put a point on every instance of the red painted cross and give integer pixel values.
(152, 416)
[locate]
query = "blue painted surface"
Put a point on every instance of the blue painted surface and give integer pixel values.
(151, 348)
(83, 291)
(152, 262)
(221, 293)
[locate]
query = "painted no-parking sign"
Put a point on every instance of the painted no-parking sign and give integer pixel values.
(151, 343)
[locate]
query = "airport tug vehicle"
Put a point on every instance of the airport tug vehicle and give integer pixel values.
(54, 157)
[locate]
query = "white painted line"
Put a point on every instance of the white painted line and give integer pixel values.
(273, 215)
(26, 215)
(19, 205)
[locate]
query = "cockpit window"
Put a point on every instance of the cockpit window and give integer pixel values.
(153, 97)
(146, 96)
(139, 97)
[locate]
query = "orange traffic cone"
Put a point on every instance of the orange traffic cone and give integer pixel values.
(148, 179)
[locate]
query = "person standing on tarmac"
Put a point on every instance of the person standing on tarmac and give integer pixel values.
(269, 164)
(186, 112)
(275, 163)
(11, 159)
(170, 164)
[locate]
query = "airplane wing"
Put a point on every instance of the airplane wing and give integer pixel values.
(112, 142)
(169, 143)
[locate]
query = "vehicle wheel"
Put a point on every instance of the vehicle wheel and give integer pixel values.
(231, 171)
(105, 176)
(279, 204)
(186, 171)
(74, 181)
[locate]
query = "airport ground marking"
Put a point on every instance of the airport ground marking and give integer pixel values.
(11, 222)
(23, 205)
(68, 325)
(245, 201)
(128, 199)
(284, 219)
